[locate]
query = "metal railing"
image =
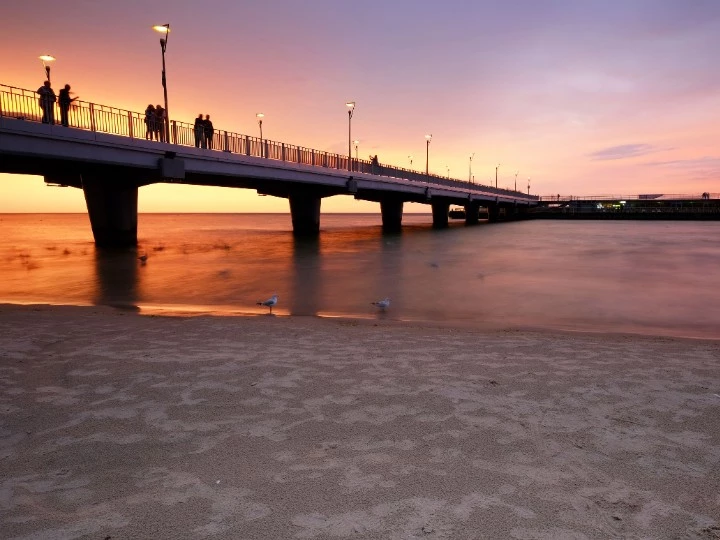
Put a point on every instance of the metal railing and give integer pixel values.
(22, 104)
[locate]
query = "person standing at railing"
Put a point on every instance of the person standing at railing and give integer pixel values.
(65, 101)
(209, 132)
(199, 131)
(47, 101)
(150, 122)
(160, 123)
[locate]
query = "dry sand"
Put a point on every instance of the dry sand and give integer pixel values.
(116, 425)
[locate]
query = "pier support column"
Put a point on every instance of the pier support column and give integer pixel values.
(112, 207)
(493, 212)
(472, 213)
(392, 210)
(305, 212)
(440, 214)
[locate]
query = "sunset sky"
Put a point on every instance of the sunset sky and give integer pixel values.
(585, 97)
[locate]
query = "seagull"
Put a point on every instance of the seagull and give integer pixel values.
(382, 304)
(270, 302)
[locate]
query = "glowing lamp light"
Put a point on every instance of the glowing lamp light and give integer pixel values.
(46, 58)
(162, 28)
(350, 104)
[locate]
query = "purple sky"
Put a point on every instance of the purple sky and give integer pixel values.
(584, 97)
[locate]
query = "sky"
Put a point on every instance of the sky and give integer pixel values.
(581, 97)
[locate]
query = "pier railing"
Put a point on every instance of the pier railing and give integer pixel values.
(22, 104)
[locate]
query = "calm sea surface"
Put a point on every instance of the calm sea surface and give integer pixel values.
(657, 278)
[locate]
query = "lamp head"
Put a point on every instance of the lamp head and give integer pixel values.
(350, 105)
(46, 58)
(428, 137)
(162, 28)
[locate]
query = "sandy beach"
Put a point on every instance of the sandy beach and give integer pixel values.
(116, 425)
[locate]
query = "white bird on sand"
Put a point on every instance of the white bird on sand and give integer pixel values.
(270, 302)
(382, 304)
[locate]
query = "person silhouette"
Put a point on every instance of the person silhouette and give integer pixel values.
(209, 132)
(47, 101)
(160, 123)
(150, 122)
(199, 131)
(65, 100)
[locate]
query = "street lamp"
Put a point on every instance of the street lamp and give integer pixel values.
(356, 143)
(410, 158)
(165, 30)
(496, 169)
(428, 138)
(260, 116)
(46, 58)
(448, 171)
(351, 107)
(528, 187)
(516, 173)
(470, 171)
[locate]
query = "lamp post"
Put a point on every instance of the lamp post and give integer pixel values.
(164, 29)
(428, 138)
(448, 171)
(410, 158)
(260, 116)
(351, 107)
(496, 169)
(470, 170)
(46, 59)
(516, 173)
(356, 143)
(528, 187)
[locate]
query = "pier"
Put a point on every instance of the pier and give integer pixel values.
(106, 152)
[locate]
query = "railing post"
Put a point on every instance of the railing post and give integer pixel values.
(227, 143)
(247, 145)
(282, 152)
(312, 157)
(174, 131)
(130, 124)
(92, 117)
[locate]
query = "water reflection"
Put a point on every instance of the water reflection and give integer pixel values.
(117, 278)
(306, 278)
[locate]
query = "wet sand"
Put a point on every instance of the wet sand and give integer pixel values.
(116, 425)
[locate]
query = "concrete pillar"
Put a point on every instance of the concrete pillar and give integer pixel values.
(391, 210)
(472, 213)
(112, 207)
(305, 211)
(440, 214)
(493, 212)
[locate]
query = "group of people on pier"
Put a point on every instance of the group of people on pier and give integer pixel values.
(204, 131)
(47, 101)
(155, 118)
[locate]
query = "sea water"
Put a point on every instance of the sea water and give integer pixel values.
(654, 278)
